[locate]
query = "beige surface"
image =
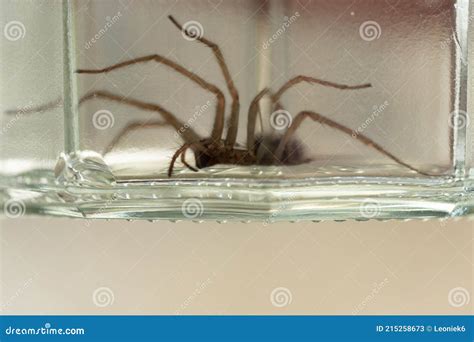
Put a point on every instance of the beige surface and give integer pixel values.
(54, 266)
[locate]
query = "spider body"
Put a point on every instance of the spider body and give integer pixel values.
(212, 154)
(262, 153)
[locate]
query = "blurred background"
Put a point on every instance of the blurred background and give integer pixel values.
(65, 266)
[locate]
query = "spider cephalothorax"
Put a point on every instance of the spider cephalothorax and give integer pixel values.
(273, 149)
(208, 153)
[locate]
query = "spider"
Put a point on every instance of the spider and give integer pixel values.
(283, 149)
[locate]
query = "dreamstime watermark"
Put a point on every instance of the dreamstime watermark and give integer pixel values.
(446, 43)
(103, 296)
(377, 111)
(103, 119)
(192, 208)
(458, 297)
(197, 114)
(200, 288)
(459, 119)
(47, 329)
(109, 22)
(281, 30)
(192, 30)
(369, 208)
(370, 30)
(377, 287)
(280, 120)
(14, 30)
(102, 209)
(18, 293)
(281, 297)
(282, 206)
(14, 208)
(18, 114)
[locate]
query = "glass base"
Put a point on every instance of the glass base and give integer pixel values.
(257, 195)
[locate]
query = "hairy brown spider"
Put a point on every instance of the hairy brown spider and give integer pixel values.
(259, 150)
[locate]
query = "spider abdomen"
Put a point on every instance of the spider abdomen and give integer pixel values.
(294, 152)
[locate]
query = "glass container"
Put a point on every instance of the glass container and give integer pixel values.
(236, 110)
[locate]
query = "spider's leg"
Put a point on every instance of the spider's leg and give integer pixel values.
(234, 115)
(177, 154)
(220, 107)
(32, 110)
(191, 138)
(333, 124)
(129, 128)
(183, 160)
(252, 119)
(188, 135)
(299, 79)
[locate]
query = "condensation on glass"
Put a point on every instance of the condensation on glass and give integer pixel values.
(77, 144)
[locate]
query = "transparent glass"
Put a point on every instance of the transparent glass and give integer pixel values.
(105, 102)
